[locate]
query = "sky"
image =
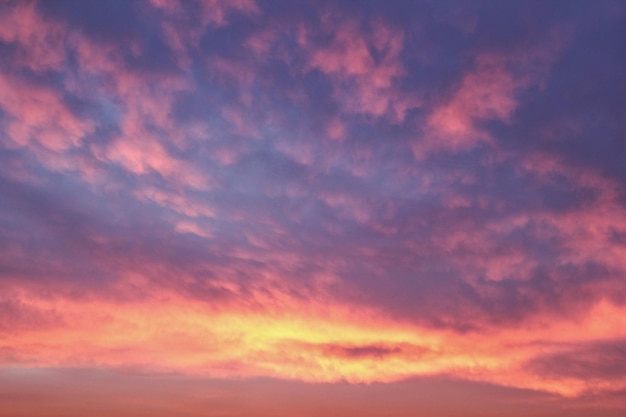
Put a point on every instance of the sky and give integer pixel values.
(312, 208)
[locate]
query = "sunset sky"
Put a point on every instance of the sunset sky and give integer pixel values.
(284, 208)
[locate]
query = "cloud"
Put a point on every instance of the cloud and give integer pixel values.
(39, 42)
(38, 115)
(363, 67)
(316, 192)
(594, 361)
(365, 351)
(486, 93)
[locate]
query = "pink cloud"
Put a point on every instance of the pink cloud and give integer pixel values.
(214, 12)
(142, 156)
(242, 73)
(176, 201)
(146, 103)
(486, 93)
(41, 42)
(336, 129)
(261, 42)
(193, 228)
(39, 116)
(489, 91)
(363, 84)
(183, 32)
(347, 55)
(240, 121)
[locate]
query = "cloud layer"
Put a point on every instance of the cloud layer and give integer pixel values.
(317, 191)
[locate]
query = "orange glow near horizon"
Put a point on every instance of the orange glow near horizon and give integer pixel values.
(294, 341)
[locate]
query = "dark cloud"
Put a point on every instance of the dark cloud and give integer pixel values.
(16, 316)
(365, 351)
(604, 360)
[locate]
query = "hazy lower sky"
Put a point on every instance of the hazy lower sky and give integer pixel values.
(329, 208)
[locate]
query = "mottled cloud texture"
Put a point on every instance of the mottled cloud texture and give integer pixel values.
(349, 204)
